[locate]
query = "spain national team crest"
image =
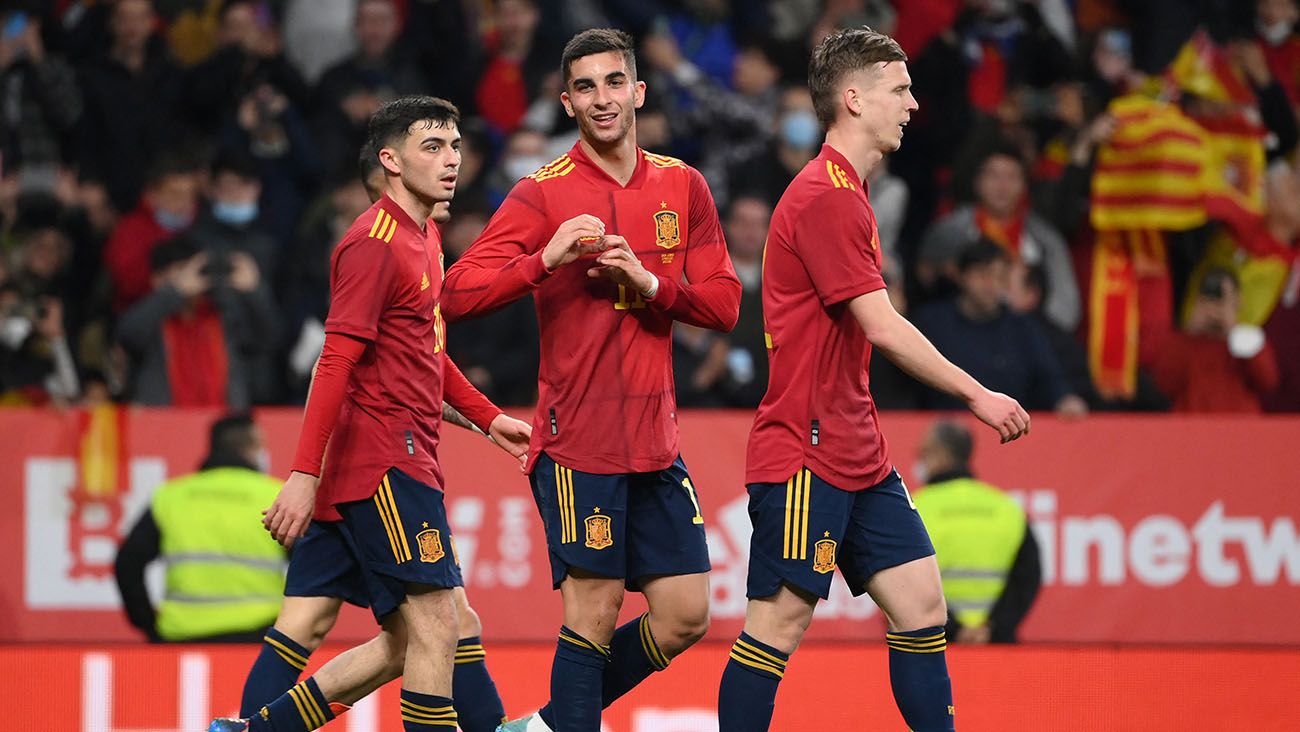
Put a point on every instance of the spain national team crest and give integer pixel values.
(667, 233)
(824, 555)
(599, 535)
(430, 541)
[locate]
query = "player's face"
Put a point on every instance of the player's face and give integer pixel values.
(602, 96)
(428, 160)
(886, 103)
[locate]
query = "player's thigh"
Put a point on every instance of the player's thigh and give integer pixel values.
(402, 539)
(780, 619)
(585, 518)
(665, 528)
(910, 595)
(591, 604)
(797, 528)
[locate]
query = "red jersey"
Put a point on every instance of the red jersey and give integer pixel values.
(385, 281)
(822, 251)
(606, 401)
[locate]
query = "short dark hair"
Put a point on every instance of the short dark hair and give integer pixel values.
(231, 434)
(956, 440)
(171, 251)
(236, 162)
(982, 252)
(841, 53)
(597, 40)
(392, 122)
(170, 163)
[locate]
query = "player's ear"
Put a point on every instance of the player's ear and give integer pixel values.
(568, 105)
(852, 100)
(639, 95)
(388, 159)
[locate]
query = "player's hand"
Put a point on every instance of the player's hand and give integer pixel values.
(290, 514)
(1002, 413)
(579, 235)
(511, 435)
(976, 634)
(620, 264)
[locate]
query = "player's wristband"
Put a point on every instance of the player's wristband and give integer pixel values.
(654, 290)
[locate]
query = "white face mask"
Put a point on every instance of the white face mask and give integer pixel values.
(263, 461)
(1274, 33)
(518, 166)
(920, 472)
(14, 330)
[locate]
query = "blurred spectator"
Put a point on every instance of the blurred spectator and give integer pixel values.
(36, 364)
(167, 207)
(319, 33)
(225, 574)
(1216, 363)
(1005, 351)
(39, 96)
(517, 67)
(1275, 26)
(729, 124)
(889, 195)
(1283, 331)
(191, 340)
(699, 365)
(497, 353)
(745, 224)
(248, 55)
(351, 90)
(987, 553)
(1000, 214)
(131, 97)
(700, 28)
(797, 138)
(525, 151)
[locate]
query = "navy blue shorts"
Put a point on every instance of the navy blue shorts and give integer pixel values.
(626, 525)
(324, 564)
(805, 527)
(399, 537)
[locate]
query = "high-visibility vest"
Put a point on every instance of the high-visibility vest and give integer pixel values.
(977, 531)
(225, 574)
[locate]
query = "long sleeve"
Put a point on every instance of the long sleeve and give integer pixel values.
(337, 359)
(1023, 583)
(505, 262)
(710, 297)
(140, 323)
(1261, 370)
(141, 546)
(470, 402)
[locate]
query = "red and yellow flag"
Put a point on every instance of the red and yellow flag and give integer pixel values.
(1122, 261)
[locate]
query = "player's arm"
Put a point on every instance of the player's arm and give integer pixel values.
(903, 344)
(710, 296)
(513, 256)
(508, 433)
(361, 282)
(451, 415)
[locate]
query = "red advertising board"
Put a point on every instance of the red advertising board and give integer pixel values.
(1153, 529)
(827, 687)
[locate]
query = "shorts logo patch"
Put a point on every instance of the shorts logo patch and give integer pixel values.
(667, 233)
(599, 535)
(824, 555)
(430, 541)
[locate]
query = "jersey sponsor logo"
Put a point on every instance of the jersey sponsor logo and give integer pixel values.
(824, 555)
(424, 282)
(599, 535)
(557, 168)
(668, 233)
(383, 227)
(430, 541)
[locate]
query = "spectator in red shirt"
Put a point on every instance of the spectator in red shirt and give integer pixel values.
(167, 207)
(1275, 22)
(516, 69)
(1216, 364)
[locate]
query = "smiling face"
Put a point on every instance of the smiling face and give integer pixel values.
(602, 95)
(427, 159)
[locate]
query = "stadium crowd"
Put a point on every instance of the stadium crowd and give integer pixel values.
(1096, 209)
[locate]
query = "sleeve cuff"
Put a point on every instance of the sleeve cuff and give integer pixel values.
(666, 296)
(534, 269)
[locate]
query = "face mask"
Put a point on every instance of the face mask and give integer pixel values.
(13, 331)
(262, 461)
(520, 166)
(920, 472)
(171, 221)
(234, 214)
(1275, 33)
(799, 130)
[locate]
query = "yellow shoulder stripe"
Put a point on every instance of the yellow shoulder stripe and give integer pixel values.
(663, 161)
(383, 227)
(557, 168)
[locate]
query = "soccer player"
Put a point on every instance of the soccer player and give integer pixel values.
(619, 508)
(376, 401)
(822, 490)
(322, 577)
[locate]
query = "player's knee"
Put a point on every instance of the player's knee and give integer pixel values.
(470, 624)
(685, 630)
(930, 611)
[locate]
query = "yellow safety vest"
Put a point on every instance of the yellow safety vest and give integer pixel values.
(225, 574)
(977, 531)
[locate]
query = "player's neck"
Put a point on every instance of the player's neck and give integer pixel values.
(856, 147)
(618, 160)
(418, 210)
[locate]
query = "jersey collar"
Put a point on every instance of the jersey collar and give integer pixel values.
(833, 155)
(580, 157)
(404, 221)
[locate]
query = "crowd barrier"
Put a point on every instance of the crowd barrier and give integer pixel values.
(1154, 529)
(827, 687)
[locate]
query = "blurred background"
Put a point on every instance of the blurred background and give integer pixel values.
(1095, 210)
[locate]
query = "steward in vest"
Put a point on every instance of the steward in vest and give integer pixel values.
(225, 573)
(987, 554)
